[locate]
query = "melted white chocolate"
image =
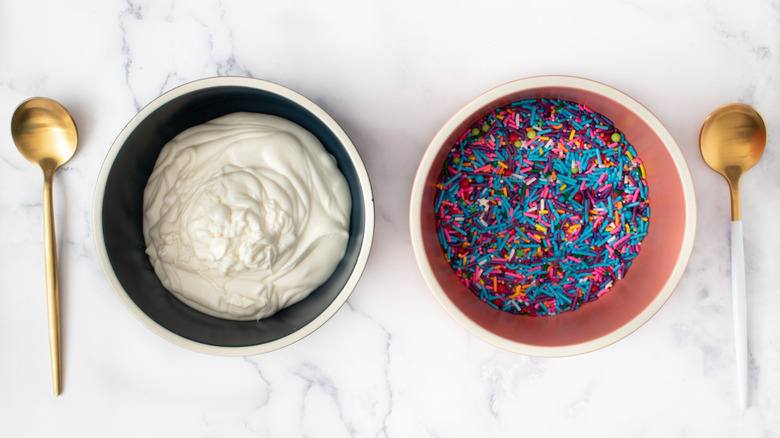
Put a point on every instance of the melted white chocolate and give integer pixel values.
(245, 215)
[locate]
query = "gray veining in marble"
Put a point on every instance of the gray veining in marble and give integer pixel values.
(390, 363)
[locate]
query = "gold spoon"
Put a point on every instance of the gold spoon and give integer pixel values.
(45, 133)
(732, 141)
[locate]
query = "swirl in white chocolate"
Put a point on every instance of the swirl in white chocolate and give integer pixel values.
(245, 215)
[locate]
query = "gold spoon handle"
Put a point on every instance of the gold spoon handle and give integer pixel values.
(739, 311)
(52, 289)
(736, 210)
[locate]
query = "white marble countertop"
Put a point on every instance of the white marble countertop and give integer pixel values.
(390, 363)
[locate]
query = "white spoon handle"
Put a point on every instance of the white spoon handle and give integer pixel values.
(739, 309)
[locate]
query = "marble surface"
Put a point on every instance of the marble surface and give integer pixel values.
(390, 363)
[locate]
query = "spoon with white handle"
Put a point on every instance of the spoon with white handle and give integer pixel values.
(732, 141)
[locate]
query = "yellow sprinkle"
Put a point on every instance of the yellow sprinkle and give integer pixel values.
(501, 163)
(642, 169)
(518, 291)
(541, 228)
(571, 136)
(630, 157)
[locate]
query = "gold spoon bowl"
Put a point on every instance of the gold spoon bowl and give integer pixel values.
(732, 140)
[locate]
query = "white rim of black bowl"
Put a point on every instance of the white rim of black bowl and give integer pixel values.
(359, 248)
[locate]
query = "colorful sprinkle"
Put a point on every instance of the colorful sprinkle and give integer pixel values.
(541, 206)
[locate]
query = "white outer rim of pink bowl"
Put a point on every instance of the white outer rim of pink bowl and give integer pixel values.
(415, 211)
(365, 187)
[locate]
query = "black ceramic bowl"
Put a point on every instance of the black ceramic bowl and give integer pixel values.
(118, 217)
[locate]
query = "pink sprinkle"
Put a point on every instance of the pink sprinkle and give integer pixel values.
(636, 196)
(621, 240)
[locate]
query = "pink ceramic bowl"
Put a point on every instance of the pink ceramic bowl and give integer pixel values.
(654, 273)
